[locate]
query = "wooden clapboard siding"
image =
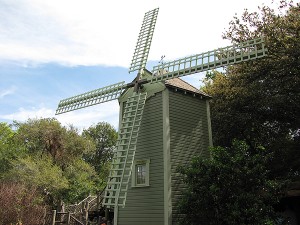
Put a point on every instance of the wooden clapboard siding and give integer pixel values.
(189, 136)
(145, 205)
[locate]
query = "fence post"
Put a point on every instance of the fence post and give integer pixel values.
(86, 213)
(107, 214)
(69, 218)
(98, 202)
(53, 217)
(45, 216)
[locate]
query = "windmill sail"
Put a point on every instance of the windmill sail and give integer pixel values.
(230, 55)
(121, 167)
(119, 175)
(90, 98)
(142, 48)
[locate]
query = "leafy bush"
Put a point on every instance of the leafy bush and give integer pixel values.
(20, 203)
(233, 187)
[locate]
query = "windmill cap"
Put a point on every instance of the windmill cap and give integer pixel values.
(185, 86)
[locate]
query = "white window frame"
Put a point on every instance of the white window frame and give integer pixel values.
(145, 162)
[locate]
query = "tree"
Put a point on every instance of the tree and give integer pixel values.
(83, 180)
(7, 149)
(48, 136)
(39, 171)
(6, 135)
(49, 153)
(56, 160)
(258, 101)
(234, 187)
(105, 137)
(53, 160)
(20, 203)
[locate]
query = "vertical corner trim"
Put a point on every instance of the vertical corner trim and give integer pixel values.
(120, 114)
(209, 124)
(167, 159)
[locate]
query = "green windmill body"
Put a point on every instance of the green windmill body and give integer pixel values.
(164, 122)
(175, 126)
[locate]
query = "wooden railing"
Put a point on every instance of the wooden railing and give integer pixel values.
(75, 214)
(74, 221)
(63, 218)
(78, 208)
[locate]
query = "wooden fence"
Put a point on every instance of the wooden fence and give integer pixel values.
(77, 214)
(63, 218)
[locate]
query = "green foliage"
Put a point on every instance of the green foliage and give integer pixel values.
(49, 150)
(105, 138)
(6, 135)
(7, 149)
(83, 180)
(49, 137)
(258, 101)
(39, 171)
(56, 160)
(233, 187)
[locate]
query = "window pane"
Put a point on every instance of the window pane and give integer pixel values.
(141, 174)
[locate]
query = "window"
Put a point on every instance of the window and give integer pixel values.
(140, 173)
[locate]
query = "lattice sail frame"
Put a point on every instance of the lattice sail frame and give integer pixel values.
(142, 48)
(248, 50)
(120, 172)
(116, 191)
(90, 98)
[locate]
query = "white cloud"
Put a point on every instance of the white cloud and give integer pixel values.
(24, 114)
(93, 32)
(81, 119)
(8, 91)
(105, 32)
(108, 112)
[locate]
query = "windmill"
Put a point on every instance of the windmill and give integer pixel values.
(139, 94)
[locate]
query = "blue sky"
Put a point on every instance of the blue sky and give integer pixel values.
(54, 49)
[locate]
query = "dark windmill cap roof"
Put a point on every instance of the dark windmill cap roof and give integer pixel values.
(178, 83)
